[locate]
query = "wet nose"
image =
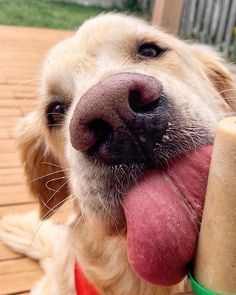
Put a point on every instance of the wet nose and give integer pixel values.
(114, 115)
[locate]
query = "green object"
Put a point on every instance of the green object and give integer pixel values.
(46, 13)
(57, 14)
(197, 288)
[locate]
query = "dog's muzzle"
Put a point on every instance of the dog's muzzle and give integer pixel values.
(120, 119)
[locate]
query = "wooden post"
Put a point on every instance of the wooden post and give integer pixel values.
(167, 14)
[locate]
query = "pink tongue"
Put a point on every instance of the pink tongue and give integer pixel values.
(162, 218)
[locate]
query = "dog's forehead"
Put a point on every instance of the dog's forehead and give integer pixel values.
(121, 29)
(96, 35)
(110, 24)
(102, 44)
(109, 33)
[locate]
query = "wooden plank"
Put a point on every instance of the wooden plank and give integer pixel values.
(20, 208)
(6, 133)
(8, 122)
(15, 194)
(17, 102)
(44, 37)
(31, 95)
(21, 55)
(7, 253)
(23, 264)
(8, 145)
(15, 171)
(6, 92)
(11, 175)
(9, 159)
(19, 282)
(11, 178)
(22, 87)
(9, 112)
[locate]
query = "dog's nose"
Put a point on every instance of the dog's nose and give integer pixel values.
(116, 119)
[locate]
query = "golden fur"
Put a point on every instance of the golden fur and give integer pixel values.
(195, 78)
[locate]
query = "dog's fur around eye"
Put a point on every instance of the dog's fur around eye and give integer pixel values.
(201, 91)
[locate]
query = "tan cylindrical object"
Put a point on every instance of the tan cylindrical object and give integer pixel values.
(215, 264)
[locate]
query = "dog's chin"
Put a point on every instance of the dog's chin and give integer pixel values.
(105, 223)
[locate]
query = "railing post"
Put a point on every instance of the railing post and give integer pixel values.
(167, 14)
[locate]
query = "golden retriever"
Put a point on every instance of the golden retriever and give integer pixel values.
(124, 126)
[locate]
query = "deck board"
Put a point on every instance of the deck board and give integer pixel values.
(22, 52)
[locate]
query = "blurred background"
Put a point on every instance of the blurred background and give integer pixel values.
(209, 21)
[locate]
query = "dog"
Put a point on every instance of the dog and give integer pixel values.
(124, 127)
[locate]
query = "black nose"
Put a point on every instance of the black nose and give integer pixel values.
(120, 119)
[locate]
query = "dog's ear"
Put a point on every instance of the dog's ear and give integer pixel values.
(45, 177)
(215, 70)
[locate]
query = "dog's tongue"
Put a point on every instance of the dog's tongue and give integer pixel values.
(162, 214)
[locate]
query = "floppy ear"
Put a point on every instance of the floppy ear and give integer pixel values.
(43, 171)
(216, 71)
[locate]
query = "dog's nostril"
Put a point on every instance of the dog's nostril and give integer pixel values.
(102, 130)
(141, 104)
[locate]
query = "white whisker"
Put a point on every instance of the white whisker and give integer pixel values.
(46, 175)
(65, 202)
(57, 191)
(51, 180)
(53, 164)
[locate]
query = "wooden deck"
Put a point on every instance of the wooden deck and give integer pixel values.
(22, 51)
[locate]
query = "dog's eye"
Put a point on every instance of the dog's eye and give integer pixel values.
(150, 50)
(56, 113)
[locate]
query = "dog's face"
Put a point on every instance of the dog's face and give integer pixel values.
(119, 99)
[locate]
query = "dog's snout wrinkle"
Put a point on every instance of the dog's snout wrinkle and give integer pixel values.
(111, 117)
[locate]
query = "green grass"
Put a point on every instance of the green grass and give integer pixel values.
(45, 13)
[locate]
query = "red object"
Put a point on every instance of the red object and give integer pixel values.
(82, 285)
